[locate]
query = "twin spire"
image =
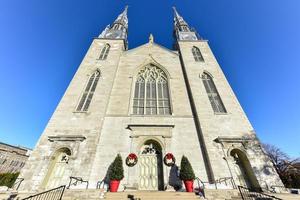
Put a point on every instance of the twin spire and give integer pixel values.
(119, 29)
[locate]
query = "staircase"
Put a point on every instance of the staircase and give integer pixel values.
(95, 194)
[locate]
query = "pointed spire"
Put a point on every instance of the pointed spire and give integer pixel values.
(181, 28)
(119, 29)
(175, 12)
(122, 18)
(178, 20)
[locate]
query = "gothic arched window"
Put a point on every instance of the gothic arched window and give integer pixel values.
(151, 95)
(197, 54)
(88, 92)
(213, 95)
(104, 52)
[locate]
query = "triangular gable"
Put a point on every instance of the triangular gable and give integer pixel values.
(152, 45)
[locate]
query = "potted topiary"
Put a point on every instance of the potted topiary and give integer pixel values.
(187, 174)
(116, 173)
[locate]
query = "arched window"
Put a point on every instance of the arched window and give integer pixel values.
(104, 52)
(151, 96)
(197, 54)
(88, 92)
(213, 94)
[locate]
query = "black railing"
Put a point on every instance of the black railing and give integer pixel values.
(227, 181)
(75, 180)
(100, 184)
(200, 183)
(16, 184)
(278, 188)
(247, 194)
(53, 194)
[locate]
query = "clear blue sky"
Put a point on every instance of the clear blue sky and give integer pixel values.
(257, 44)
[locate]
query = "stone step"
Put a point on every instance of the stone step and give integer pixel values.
(224, 194)
(149, 195)
(94, 194)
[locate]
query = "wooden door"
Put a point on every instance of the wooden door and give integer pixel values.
(58, 171)
(148, 178)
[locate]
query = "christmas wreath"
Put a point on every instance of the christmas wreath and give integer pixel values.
(169, 159)
(131, 160)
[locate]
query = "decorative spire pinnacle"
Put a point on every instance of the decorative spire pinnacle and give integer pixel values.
(119, 29)
(151, 38)
(182, 31)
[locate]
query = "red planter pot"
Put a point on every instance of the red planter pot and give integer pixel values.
(114, 185)
(189, 185)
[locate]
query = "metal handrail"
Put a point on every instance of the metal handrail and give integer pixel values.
(99, 183)
(16, 184)
(247, 194)
(201, 190)
(273, 188)
(77, 179)
(98, 186)
(225, 179)
(53, 194)
(200, 181)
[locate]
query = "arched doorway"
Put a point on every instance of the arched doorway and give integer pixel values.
(244, 170)
(57, 168)
(151, 166)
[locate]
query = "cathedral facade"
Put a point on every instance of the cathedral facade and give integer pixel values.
(149, 101)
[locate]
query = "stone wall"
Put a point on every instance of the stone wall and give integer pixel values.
(12, 158)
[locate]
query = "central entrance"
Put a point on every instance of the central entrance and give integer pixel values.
(150, 166)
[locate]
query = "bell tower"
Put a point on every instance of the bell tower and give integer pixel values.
(185, 39)
(74, 129)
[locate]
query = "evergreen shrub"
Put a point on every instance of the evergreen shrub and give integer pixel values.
(186, 170)
(116, 169)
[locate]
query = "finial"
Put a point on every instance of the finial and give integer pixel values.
(175, 11)
(151, 38)
(126, 8)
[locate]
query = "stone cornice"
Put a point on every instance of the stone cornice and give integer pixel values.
(163, 130)
(71, 138)
(232, 139)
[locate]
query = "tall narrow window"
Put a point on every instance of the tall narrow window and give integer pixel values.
(213, 95)
(88, 92)
(104, 52)
(151, 95)
(197, 54)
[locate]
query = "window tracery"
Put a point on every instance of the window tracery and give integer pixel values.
(151, 95)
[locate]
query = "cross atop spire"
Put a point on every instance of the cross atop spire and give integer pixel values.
(119, 29)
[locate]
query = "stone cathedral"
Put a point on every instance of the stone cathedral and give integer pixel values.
(150, 101)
